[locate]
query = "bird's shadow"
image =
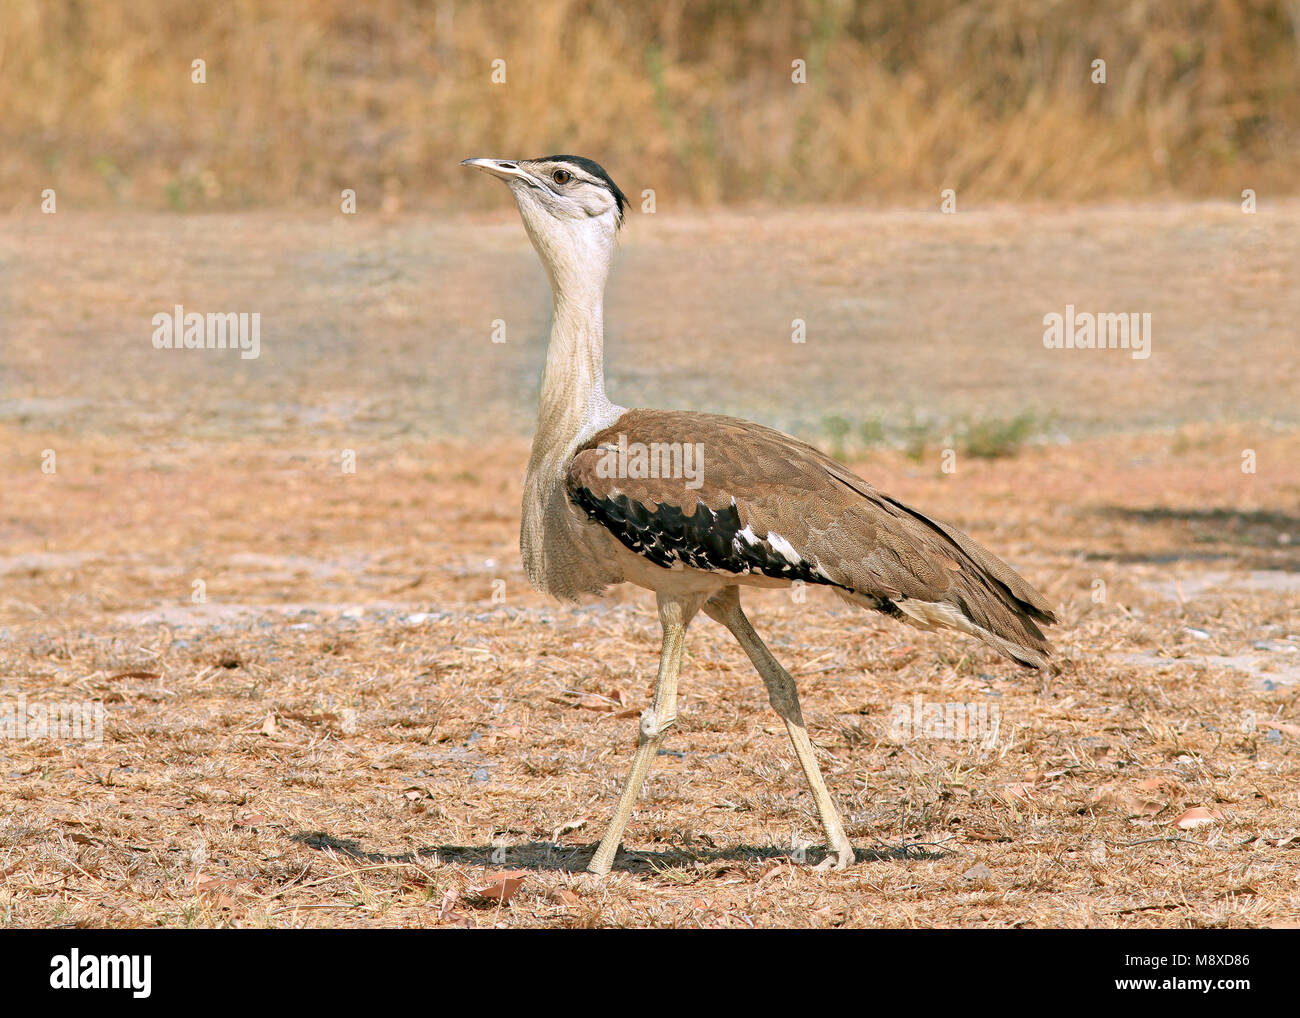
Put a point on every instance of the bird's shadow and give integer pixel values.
(544, 856)
(1255, 539)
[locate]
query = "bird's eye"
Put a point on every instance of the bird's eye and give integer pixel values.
(561, 176)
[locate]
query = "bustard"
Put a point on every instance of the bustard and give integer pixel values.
(703, 504)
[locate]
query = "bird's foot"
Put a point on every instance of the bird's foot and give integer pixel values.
(588, 882)
(602, 862)
(837, 859)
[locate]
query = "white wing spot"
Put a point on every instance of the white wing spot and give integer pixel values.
(783, 548)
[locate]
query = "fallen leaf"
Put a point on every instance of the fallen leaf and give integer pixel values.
(1196, 816)
(567, 827)
(205, 884)
(309, 719)
(1142, 807)
(505, 886)
(1127, 803)
(448, 903)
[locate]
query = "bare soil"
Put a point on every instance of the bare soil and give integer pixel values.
(369, 716)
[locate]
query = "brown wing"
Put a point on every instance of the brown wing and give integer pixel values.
(717, 493)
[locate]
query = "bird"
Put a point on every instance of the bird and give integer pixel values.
(695, 506)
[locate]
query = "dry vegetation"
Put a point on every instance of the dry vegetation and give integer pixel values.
(370, 719)
(694, 100)
(350, 730)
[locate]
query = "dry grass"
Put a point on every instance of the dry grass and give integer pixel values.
(352, 731)
(303, 749)
(303, 99)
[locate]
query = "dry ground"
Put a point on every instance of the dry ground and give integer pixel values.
(371, 715)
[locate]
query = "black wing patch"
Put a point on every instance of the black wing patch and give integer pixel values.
(704, 540)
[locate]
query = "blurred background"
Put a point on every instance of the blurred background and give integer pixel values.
(994, 98)
(797, 153)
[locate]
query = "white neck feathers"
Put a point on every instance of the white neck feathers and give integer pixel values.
(572, 407)
(573, 404)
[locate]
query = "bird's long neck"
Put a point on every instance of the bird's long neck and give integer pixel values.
(572, 408)
(574, 377)
(573, 403)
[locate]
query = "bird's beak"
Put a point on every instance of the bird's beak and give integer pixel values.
(503, 168)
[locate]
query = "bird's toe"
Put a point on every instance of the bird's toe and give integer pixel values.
(837, 859)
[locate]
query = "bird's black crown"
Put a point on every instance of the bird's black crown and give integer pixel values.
(597, 171)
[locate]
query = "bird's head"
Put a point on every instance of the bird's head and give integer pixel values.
(570, 206)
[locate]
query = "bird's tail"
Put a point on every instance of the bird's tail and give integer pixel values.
(1006, 626)
(988, 600)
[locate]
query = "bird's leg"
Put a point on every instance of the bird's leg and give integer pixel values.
(725, 608)
(675, 614)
